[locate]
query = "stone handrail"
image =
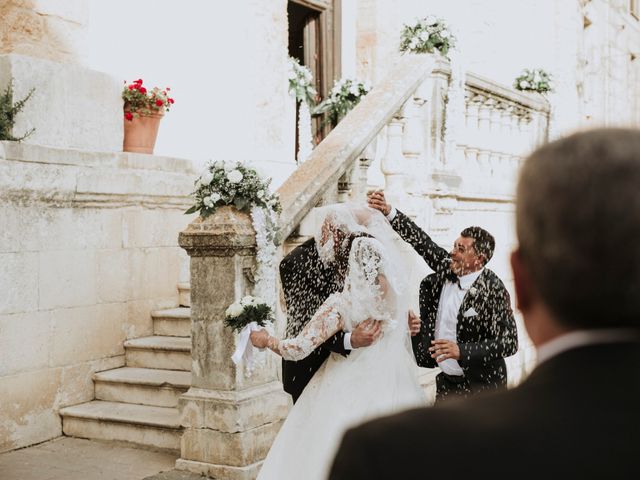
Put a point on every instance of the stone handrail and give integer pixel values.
(339, 150)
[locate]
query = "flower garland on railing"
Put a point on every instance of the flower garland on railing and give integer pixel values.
(536, 80)
(345, 94)
(426, 35)
(239, 185)
(301, 88)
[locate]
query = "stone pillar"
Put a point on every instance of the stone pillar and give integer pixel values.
(42, 46)
(230, 419)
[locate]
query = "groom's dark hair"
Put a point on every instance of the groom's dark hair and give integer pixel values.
(483, 241)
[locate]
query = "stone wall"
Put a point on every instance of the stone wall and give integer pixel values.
(47, 29)
(88, 247)
(591, 48)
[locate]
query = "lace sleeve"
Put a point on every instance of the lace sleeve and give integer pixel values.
(325, 323)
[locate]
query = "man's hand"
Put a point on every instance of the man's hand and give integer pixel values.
(414, 323)
(366, 333)
(376, 200)
(441, 350)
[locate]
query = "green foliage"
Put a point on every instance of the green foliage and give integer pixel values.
(8, 112)
(536, 80)
(345, 94)
(251, 312)
(427, 35)
(231, 183)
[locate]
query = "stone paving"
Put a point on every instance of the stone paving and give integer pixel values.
(66, 458)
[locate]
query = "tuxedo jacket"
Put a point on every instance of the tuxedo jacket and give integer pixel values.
(576, 416)
(486, 328)
(307, 283)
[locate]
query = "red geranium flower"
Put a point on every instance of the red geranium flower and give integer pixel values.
(159, 103)
(142, 90)
(128, 116)
(170, 100)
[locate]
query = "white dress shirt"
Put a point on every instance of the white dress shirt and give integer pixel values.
(447, 316)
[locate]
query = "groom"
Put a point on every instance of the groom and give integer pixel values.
(307, 282)
(467, 325)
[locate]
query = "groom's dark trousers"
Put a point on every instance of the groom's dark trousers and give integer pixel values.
(307, 283)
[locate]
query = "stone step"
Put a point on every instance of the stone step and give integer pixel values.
(160, 352)
(173, 322)
(184, 294)
(157, 427)
(144, 386)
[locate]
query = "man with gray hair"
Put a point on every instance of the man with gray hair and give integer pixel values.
(577, 281)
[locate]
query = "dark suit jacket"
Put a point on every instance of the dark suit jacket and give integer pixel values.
(484, 339)
(576, 416)
(307, 283)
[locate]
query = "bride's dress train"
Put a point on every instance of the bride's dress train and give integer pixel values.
(372, 381)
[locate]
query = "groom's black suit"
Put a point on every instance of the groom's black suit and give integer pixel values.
(307, 283)
(484, 338)
(576, 416)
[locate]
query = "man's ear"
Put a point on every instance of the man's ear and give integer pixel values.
(522, 281)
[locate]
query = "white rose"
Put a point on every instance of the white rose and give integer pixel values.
(413, 43)
(444, 34)
(257, 301)
(246, 300)
(234, 310)
(206, 178)
(215, 197)
(235, 176)
(354, 90)
(208, 202)
(524, 84)
(430, 20)
(424, 36)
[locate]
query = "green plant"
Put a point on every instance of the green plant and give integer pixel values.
(345, 94)
(300, 82)
(139, 101)
(426, 35)
(231, 183)
(536, 80)
(8, 112)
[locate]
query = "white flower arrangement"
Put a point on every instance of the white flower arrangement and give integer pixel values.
(536, 80)
(247, 310)
(301, 82)
(426, 35)
(345, 94)
(232, 183)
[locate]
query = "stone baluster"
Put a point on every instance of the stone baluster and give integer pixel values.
(229, 418)
(413, 144)
(393, 163)
(361, 174)
(345, 184)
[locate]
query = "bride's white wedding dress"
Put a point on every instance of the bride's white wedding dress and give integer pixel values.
(372, 381)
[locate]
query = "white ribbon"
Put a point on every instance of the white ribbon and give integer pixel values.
(244, 349)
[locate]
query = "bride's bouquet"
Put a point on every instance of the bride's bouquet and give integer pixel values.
(243, 317)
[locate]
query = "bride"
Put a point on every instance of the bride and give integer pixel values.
(372, 381)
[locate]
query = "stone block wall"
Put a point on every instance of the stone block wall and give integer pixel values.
(88, 247)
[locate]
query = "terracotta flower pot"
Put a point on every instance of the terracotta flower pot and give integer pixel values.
(141, 132)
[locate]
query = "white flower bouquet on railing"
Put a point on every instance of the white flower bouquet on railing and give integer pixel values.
(232, 183)
(243, 317)
(426, 35)
(536, 80)
(301, 88)
(345, 94)
(301, 82)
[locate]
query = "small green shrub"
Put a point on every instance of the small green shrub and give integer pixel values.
(8, 112)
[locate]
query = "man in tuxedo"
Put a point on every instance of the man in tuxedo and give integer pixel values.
(307, 282)
(467, 325)
(577, 278)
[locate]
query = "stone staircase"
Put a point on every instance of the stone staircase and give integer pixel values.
(137, 403)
